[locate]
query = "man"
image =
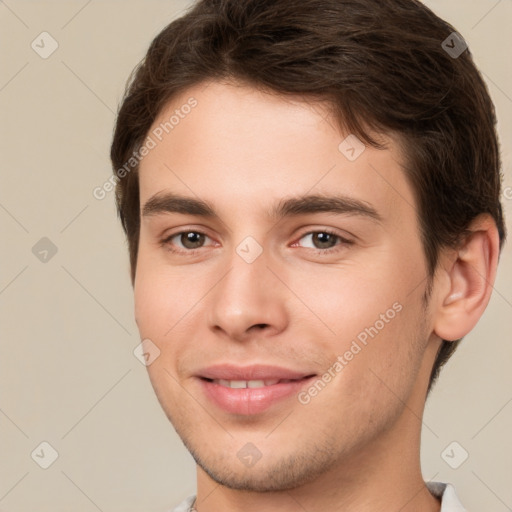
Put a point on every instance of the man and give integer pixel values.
(310, 191)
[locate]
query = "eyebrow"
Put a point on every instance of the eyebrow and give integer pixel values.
(168, 202)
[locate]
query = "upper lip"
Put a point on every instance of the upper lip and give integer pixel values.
(252, 372)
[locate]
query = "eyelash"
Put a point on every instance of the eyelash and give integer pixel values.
(166, 242)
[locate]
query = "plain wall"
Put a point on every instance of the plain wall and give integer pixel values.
(68, 375)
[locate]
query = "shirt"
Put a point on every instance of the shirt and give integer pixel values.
(449, 500)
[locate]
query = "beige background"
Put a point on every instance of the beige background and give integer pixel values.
(67, 372)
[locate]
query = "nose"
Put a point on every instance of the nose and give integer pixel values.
(248, 302)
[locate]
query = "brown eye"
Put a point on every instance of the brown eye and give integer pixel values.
(192, 239)
(322, 240)
(187, 242)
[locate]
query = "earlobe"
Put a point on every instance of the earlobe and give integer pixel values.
(470, 277)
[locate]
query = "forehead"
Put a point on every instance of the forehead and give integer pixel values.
(238, 147)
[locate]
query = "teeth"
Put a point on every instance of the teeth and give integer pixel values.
(241, 384)
(255, 384)
(237, 384)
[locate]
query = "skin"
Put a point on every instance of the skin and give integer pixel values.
(355, 445)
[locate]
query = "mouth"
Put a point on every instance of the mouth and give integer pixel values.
(250, 390)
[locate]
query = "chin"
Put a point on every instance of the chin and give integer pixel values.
(282, 472)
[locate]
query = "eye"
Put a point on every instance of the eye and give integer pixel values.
(185, 241)
(322, 241)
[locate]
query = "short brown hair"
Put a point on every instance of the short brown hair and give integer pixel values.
(379, 64)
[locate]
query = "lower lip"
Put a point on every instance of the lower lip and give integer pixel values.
(248, 401)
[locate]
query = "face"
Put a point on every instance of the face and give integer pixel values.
(280, 274)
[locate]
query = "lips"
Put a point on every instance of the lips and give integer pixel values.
(246, 373)
(251, 389)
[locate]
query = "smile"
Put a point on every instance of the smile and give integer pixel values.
(250, 390)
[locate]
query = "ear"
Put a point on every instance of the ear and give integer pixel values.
(467, 279)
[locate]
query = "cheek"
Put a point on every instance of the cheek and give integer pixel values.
(157, 302)
(152, 305)
(169, 305)
(162, 294)
(370, 318)
(384, 372)
(160, 302)
(348, 299)
(375, 377)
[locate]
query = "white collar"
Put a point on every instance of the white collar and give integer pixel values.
(449, 500)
